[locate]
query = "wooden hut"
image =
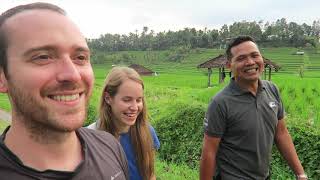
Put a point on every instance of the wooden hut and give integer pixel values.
(217, 62)
(221, 61)
(268, 64)
(143, 71)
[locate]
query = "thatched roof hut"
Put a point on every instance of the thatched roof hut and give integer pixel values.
(221, 60)
(269, 64)
(143, 71)
(217, 62)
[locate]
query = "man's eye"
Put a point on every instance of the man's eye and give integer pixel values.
(239, 59)
(41, 57)
(82, 57)
(255, 55)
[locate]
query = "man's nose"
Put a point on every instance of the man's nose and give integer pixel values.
(250, 61)
(67, 71)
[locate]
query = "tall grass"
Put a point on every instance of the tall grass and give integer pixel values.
(300, 97)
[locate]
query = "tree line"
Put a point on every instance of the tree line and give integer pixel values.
(269, 34)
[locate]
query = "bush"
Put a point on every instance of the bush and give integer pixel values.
(91, 115)
(178, 54)
(307, 144)
(99, 59)
(166, 171)
(180, 131)
(123, 58)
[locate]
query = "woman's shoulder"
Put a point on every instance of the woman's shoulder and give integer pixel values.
(151, 129)
(155, 138)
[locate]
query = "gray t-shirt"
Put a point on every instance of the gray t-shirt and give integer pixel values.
(103, 159)
(246, 125)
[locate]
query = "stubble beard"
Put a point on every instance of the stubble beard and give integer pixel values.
(43, 125)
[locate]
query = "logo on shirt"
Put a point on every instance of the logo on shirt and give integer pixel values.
(116, 175)
(272, 104)
(205, 123)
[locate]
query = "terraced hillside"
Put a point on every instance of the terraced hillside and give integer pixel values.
(161, 61)
(309, 62)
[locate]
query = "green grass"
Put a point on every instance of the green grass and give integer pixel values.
(172, 171)
(4, 102)
(165, 170)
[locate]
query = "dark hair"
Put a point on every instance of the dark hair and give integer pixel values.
(235, 42)
(11, 12)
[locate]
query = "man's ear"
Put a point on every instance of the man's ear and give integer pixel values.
(3, 82)
(228, 64)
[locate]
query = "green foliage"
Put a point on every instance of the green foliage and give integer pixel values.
(273, 34)
(91, 115)
(179, 53)
(123, 58)
(4, 102)
(307, 144)
(165, 170)
(301, 98)
(98, 59)
(180, 131)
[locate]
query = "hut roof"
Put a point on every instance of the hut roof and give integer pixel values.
(272, 65)
(221, 61)
(141, 69)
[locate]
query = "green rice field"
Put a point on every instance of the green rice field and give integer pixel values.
(182, 81)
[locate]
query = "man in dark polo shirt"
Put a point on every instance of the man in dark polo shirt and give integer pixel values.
(45, 70)
(243, 120)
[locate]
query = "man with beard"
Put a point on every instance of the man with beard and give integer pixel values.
(243, 120)
(45, 70)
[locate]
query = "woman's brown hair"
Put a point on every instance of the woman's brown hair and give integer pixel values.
(139, 132)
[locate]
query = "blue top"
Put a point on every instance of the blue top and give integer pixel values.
(127, 146)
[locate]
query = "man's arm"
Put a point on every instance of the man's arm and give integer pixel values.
(286, 147)
(208, 157)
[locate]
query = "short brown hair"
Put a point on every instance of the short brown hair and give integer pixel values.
(11, 12)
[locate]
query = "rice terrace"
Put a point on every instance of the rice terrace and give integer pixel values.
(178, 96)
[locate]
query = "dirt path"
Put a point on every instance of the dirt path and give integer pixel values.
(5, 115)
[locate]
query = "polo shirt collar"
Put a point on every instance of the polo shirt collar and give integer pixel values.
(237, 90)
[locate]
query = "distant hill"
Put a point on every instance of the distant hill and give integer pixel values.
(179, 61)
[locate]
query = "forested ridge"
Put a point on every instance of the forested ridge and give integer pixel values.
(269, 34)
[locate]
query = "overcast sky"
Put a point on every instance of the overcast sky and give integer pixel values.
(96, 17)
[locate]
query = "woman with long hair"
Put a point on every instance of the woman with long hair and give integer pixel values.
(123, 113)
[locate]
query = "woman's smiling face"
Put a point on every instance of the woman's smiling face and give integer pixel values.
(127, 104)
